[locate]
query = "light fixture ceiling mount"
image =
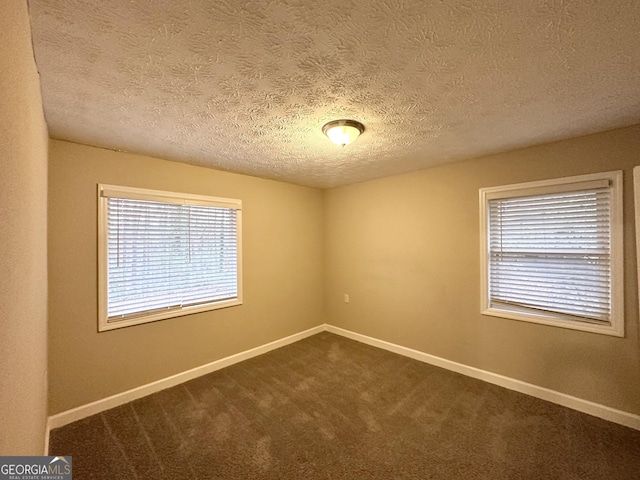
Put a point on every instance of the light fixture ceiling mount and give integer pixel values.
(343, 132)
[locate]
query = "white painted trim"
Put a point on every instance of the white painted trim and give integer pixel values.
(591, 408)
(112, 191)
(636, 202)
(176, 198)
(595, 180)
(47, 431)
(83, 411)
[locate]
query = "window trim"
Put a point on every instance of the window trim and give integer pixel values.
(614, 178)
(105, 191)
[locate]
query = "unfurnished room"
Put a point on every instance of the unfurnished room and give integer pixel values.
(295, 239)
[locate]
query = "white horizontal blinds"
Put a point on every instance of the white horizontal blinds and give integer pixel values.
(552, 252)
(212, 255)
(166, 255)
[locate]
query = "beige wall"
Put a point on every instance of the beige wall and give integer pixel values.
(283, 275)
(23, 240)
(406, 249)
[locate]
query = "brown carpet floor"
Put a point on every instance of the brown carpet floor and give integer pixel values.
(331, 408)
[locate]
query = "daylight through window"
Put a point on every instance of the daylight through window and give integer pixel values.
(552, 252)
(165, 255)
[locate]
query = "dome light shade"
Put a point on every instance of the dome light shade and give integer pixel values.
(343, 132)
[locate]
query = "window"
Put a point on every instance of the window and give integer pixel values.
(552, 252)
(164, 254)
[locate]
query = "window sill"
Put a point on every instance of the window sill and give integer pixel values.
(112, 324)
(616, 329)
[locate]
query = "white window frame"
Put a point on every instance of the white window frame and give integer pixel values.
(636, 200)
(106, 191)
(614, 179)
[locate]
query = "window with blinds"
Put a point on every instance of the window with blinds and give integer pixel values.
(552, 252)
(165, 255)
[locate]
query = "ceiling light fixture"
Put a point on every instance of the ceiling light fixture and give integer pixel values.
(343, 132)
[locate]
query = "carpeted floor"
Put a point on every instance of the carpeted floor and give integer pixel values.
(331, 408)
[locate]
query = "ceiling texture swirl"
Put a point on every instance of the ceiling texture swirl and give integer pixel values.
(246, 85)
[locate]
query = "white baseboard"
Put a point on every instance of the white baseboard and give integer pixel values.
(47, 431)
(575, 403)
(83, 411)
(585, 406)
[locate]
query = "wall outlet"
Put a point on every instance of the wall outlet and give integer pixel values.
(346, 298)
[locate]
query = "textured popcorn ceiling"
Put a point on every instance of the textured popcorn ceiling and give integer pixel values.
(246, 86)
